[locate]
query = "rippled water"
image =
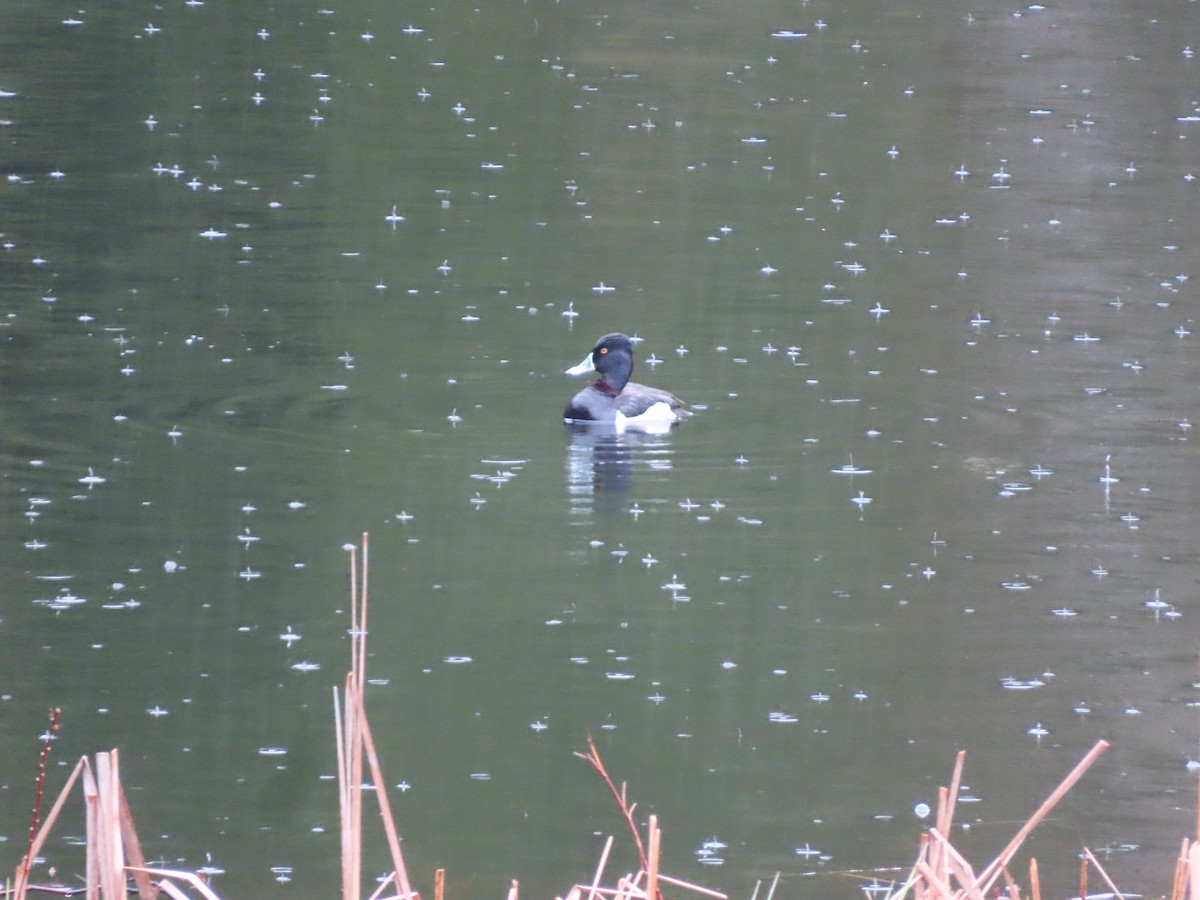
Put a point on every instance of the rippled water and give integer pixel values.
(274, 278)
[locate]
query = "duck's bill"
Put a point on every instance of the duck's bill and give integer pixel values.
(583, 368)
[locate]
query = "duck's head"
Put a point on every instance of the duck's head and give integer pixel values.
(612, 357)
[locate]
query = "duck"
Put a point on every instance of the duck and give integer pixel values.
(612, 399)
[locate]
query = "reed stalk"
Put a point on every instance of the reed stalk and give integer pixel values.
(356, 745)
(39, 788)
(1087, 854)
(168, 888)
(196, 882)
(112, 856)
(113, 848)
(955, 864)
(351, 826)
(400, 872)
(600, 868)
(989, 875)
(692, 886)
(133, 849)
(343, 777)
(774, 884)
(1177, 884)
(1014, 892)
(35, 846)
(947, 800)
(654, 839)
(934, 883)
(593, 757)
(91, 799)
(383, 885)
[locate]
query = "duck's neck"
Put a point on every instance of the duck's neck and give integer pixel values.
(616, 375)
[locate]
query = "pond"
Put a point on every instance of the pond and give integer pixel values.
(275, 277)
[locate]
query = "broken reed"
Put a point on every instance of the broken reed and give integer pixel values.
(939, 873)
(27, 860)
(939, 866)
(111, 836)
(353, 739)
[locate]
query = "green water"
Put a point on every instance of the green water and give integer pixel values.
(283, 276)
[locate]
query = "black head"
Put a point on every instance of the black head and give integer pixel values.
(613, 359)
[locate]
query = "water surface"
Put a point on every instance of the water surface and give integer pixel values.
(274, 278)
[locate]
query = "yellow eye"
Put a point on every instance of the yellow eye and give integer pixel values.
(603, 350)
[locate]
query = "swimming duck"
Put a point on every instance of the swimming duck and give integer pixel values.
(612, 398)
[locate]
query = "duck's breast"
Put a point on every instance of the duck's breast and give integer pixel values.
(591, 405)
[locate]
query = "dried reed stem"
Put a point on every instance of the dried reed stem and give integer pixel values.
(348, 783)
(936, 855)
(652, 869)
(947, 800)
(343, 777)
(989, 875)
(40, 786)
(1035, 885)
(625, 888)
(1194, 871)
(774, 884)
(91, 800)
(955, 782)
(355, 744)
(1014, 892)
(95, 786)
(385, 809)
(355, 630)
(912, 882)
(133, 849)
(361, 672)
(512, 890)
(190, 877)
(384, 884)
(35, 847)
(111, 854)
(347, 828)
(699, 889)
(169, 889)
(934, 882)
(956, 864)
(439, 884)
(593, 756)
(1177, 882)
(600, 868)
(350, 754)
(916, 883)
(1099, 868)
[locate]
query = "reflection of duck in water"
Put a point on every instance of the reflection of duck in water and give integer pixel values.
(612, 399)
